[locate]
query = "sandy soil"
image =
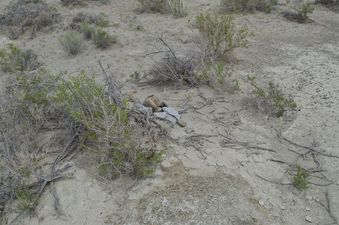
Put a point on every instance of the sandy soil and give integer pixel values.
(204, 179)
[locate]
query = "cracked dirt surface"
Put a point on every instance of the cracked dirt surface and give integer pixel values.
(228, 166)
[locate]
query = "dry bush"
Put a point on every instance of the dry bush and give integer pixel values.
(72, 42)
(247, 5)
(14, 59)
(21, 14)
(194, 70)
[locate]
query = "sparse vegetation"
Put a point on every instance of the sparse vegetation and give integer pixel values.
(272, 101)
(72, 2)
(221, 33)
(94, 19)
(102, 39)
(300, 180)
(21, 14)
(87, 30)
(81, 2)
(247, 5)
(301, 14)
(304, 10)
(149, 6)
(14, 59)
(178, 8)
(72, 42)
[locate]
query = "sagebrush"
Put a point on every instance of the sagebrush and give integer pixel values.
(14, 59)
(72, 42)
(221, 33)
(23, 14)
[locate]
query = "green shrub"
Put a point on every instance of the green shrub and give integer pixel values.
(273, 100)
(14, 59)
(72, 42)
(87, 30)
(178, 8)
(221, 33)
(102, 39)
(304, 10)
(247, 5)
(300, 180)
(108, 129)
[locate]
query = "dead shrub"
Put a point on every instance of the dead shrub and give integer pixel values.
(247, 5)
(21, 14)
(194, 70)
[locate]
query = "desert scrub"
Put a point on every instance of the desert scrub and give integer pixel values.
(87, 30)
(300, 180)
(301, 13)
(151, 6)
(71, 42)
(178, 8)
(272, 100)
(221, 33)
(14, 59)
(102, 39)
(21, 14)
(304, 10)
(109, 131)
(247, 5)
(94, 19)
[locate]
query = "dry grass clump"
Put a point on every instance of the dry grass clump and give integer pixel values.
(21, 14)
(247, 5)
(14, 59)
(72, 42)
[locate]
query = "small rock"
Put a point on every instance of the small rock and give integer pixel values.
(308, 208)
(261, 202)
(308, 219)
(283, 207)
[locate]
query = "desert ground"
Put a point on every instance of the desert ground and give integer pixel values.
(229, 165)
